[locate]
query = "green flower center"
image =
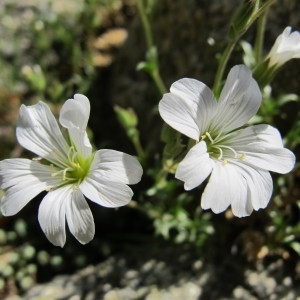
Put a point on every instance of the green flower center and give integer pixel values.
(78, 169)
(74, 169)
(218, 149)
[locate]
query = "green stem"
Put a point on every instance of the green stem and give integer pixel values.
(158, 81)
(230, 47)
(145, 22)
(154, 73)
(222, 65)
(261, 10)
(260, 37)
(138, 147)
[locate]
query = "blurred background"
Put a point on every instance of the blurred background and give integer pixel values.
(162, 246)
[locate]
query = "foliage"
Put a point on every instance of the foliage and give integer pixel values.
(46, 53)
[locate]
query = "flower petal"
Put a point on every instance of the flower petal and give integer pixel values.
(81, 141)
(226, 186)
(189, 107)
(116, 166)
(106, 193)
(52, 214)
(38, 131)
(74, 116)
(286, 47)
(259, 183)
(79, 217)
(262, 133)
(195, 167)
(75, 112)
(261, 146)
(22, 180)
(239, 101)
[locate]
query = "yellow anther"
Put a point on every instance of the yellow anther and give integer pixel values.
(203, 137)
(76, 165)
(52, 169)
(243, 156)
(36, 158)
(64, 177)
(209, 136)
(48, 189)
(225, 162)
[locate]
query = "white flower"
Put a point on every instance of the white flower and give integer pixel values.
(286, 47)
(238, 159)
(67, 168)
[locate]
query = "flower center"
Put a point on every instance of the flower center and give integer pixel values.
(76, 168)
(217, 148)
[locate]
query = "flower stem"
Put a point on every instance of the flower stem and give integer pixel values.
(260, 37)
(264, 7)
(232, 43)
(222, 65)
(145, 22)
(158, 81)
(153, 61)
(138, 147)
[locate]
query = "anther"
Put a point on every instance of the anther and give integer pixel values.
(36, 158)
(221, 152)
(64, 177)
(243, 156)
(231, 149)
(225, 162)
(209, 136)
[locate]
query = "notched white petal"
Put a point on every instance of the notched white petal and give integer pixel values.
(259, 183)
(227, 187)
(22, 180)
(195, 167)
(38, 131)
(52, 215)
(189, 107)
(286, 47)
(180, 115)
(106, 193)
(81, 141)
(116, 166)
(263, 134)
(75, 112)
(261, 146)
(239, 101)
(79, 217)
(279, 160)
(74, 116)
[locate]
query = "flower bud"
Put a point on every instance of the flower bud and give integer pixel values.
(243, 17)
(286, 47)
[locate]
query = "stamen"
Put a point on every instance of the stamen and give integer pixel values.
(221, 152)
(71, 153)
(209, 136)
(64, 177)
(225, 162)
(51, 169)
(36, 158)
(217, 137)
(76, 165)
(229, 148)
(243, 156)
(75, 154)
(203, 137)
(48, 188)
